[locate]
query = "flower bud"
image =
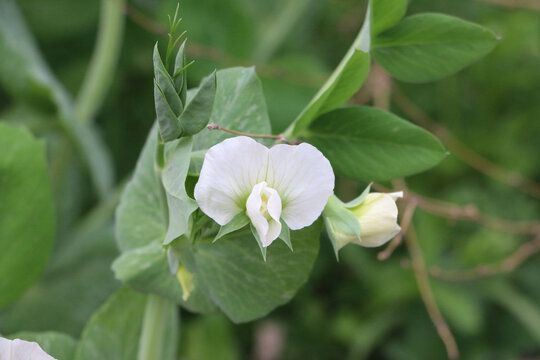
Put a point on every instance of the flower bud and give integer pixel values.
(370, 220)
(377, 215)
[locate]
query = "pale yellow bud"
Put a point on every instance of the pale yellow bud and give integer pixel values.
(377, 215)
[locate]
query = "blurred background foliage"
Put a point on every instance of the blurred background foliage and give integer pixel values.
(360, 307)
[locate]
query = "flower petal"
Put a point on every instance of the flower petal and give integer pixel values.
(268, 229)
(230, 171)
(304, 179)
(20, 349)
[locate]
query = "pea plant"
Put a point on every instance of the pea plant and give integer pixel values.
(220, 214)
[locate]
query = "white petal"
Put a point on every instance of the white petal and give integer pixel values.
(230, 171)
(304, 179)
(267, 229)
(22, 350)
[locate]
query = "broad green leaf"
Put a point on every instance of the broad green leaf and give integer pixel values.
(146, 269)
(239, 105)
(385, 14)
(198, 111)
(58, 345)
(141, 224)
(64, 289)
(113, 331)
(140, 215)
(370, 144)
(245, 286)
(428, 47)
(174, 175)
(26, 212)
(346, 79)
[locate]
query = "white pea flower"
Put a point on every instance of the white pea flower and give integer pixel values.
(288, 182)
(21, 350)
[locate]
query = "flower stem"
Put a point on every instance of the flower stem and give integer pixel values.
(103, 63)
(154, 327)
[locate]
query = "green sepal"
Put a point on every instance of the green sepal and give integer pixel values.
(198, 111)
(285, 235)
(358, 200)
(238, 222)
(256, 236)
(340, 221)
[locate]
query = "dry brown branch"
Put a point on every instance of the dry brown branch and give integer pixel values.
(422, 279)
(462, 151)
(468, 213)
(524, 4)
(509, 264)
(406, 220)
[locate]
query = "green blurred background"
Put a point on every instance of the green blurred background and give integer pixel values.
(360, 307)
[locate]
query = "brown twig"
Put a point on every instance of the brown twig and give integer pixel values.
(467, 213)
(422, 279)
(509, 264)
(462, 151)
(406, 220)
(525, 4)
(280, 137)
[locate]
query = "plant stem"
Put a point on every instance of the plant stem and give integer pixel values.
(154, 327)
(214, 126)
(103, 63)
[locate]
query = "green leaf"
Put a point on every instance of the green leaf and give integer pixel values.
(167, 101)
(140, 216)
(428, 47)
(177, 158)
(180, 73)
(146, 269)
(238, 222)
(113, 331)
(245, 286)
(23, 71)
(141, 225)
(385, 14)
(346, 79)
(26, 212)
(239, 105)
(64, 289)
(370, 144)
(58, 345)
(198, 111)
